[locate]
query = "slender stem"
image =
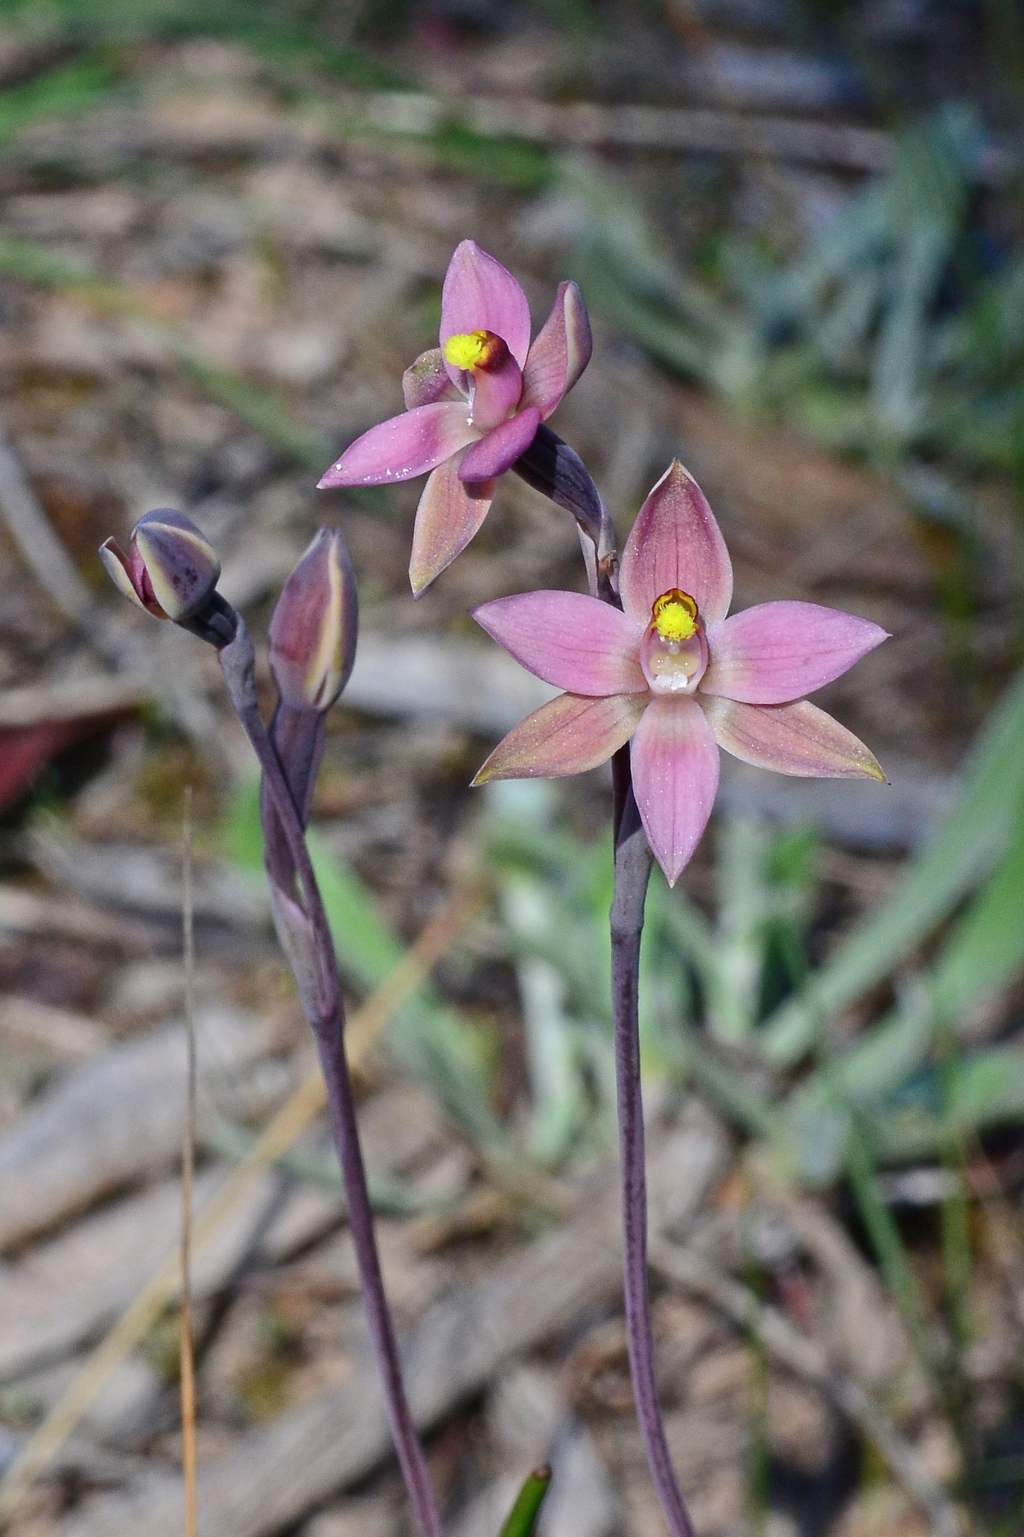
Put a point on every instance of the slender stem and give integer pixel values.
(633, 862)
(360, 1220)
(188, 1369)
(325, 1011)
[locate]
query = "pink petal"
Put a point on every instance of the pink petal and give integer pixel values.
(781, 651)
(501, 447)
(426, 381)
(447, 517)
(568, 639)
(675, 764)
(403, 447)
(676, 542)
(791, 739)
(480, 294)
(496, 393)
(560, 352)
(567, 736)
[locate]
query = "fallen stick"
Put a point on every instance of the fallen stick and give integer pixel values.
(417, 114)
(78, 699)
(40, 547)
(594, 125)
(26, 912)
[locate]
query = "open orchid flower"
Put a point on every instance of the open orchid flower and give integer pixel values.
(670, 671)
(473, 404)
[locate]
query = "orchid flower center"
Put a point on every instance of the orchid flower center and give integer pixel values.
(674, 652)
(476, 350)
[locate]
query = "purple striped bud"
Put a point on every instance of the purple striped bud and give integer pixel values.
(170, 570)
(312, 635)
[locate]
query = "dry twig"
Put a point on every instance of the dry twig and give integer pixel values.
(41, 549)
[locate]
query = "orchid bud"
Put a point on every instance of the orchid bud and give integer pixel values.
(558, 472)
(312, 635)
(170, 570)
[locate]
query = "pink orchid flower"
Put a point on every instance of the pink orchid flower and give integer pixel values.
(670, 671)
(485, 361)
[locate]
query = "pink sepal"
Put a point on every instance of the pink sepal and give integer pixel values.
(570, 640)
(448, 515)
(795, 739)
(502, 446)
(480, 294)
(675, 765)
(777, 652)
(560, 352)
(567, 736)
(676, 542)
(403, 446)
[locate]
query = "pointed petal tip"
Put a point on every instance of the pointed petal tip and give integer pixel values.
(867, 765)
(774, 653)
(798, 739)
(675, 766)
(424, 573)
(116, 563)
(569, 735)
(677, 472)
(448, 515)
(676, 542)
(559, 353)
(479, 294)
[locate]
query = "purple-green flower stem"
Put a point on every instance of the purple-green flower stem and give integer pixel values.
(324, 1006)
(633, 864)
(558, 471)
(298, 736)
(331, 1044)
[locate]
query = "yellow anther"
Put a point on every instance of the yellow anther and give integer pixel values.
(468, 351)
(674, 616)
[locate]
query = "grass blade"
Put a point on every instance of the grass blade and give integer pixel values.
(524, 1513)
(959, 855)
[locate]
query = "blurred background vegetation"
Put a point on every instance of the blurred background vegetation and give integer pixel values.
(798, 226)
